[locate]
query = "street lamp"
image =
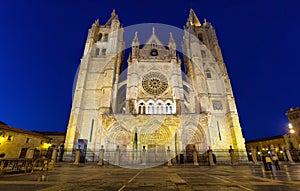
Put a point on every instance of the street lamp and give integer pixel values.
(2, 139)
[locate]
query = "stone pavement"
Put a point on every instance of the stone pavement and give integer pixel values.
(66, 177)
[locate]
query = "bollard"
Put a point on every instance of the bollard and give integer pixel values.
(254, 157)
(77, 157)
(100, 157)
(289, 156)
(144, 156)
(232, 157)
(117, 156)
(210, 157)
(195, 157)
(54, 157)
(169, 156)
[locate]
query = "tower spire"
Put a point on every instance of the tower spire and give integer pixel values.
(135, 41)
(193, 19)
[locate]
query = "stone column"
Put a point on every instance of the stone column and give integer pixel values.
(210, 156)
(169, 156)
(117, 156)
(231, 153)
(289, 156)
(254, 156)
(195, 157)
(54, 155)
(144, 156)
(100, 157)
(77, 157)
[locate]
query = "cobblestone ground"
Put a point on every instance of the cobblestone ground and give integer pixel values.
(66, 177)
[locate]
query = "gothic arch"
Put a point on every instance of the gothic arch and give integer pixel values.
(117, 136)
(192, 133)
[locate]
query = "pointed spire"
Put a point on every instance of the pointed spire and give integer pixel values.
(96, 22)
(153, 30)
(135, 41)
(113, 13)
(205, 22)
(193, 19)
(114, 16)
(172, 46)
(171, 41)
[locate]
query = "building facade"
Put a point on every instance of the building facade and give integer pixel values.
(152, 104)
(19, 143)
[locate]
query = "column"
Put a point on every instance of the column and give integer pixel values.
(210, 156)
(117, 156)
(100, 157)
(195, 157)
(289, 156)
(231, 153)
(144, 156)
(254, 156)
(169, 156)
(54, 155)
(77, 157)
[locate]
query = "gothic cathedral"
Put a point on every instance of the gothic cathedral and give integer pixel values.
(154, 98)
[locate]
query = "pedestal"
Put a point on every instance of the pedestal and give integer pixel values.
(210, 157)
(195, 157)
(77, 157)
(100, 157)
(169, 156)
(117, 156)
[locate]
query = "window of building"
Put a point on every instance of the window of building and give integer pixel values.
(103, 51)
(27, 140)
(208, 74)
(105, 37)
(100, 36)
(97, 52)
(10, 138)
(200, 37)
(203, 53)
(154, 52)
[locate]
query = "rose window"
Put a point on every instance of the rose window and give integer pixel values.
(155, 83)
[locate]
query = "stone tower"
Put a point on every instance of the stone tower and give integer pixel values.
(205, 66)
(99, 70)
(152, 105)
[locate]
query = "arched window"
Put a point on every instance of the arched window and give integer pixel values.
(150, 108)
(97, 52)
(159, 108)
(105, 38)
(208, 73)
(200, 37)
(141, 108)
(100, 36)
(168, 108)
(103, 51)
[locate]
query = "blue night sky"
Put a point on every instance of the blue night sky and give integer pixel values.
(42, 42)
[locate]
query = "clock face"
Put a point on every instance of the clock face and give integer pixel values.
(155, 83)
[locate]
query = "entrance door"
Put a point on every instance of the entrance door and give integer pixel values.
(189, 149)
(23, 153)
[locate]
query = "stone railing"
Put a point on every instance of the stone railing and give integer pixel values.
(22, 165)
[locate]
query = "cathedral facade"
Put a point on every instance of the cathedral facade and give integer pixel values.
(153, 105)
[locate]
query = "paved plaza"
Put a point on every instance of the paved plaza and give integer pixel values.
(66, 177)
